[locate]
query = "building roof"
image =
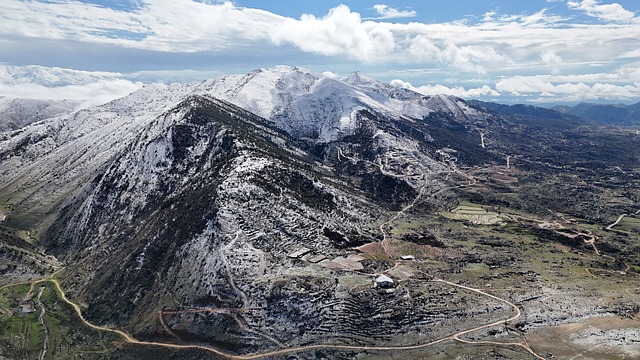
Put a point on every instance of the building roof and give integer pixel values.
(28, 307)
(384, 279)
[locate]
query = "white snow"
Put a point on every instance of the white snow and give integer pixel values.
(304, 104)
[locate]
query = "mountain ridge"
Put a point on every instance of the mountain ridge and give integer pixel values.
(618, 114)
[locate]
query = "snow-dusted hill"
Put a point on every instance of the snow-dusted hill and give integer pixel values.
(304, 104)
(17, 112)
(47, 162)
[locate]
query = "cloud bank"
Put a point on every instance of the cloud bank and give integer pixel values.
(612, 12)
(514, 55)
(458, 91)
(92, 88)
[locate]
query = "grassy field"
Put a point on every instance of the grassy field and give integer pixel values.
(629, 224)
(22, 335)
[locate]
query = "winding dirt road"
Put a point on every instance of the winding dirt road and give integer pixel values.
(517, 314)
(610, 227)
(130, 339)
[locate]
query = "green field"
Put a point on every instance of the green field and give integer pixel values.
(22, 336)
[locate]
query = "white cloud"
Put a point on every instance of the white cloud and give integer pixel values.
(330, 74)
(162, 25)
(387, 12)
(96, 93)
(468, 58)
(612, 12)
(459, 91)
(631, 54)
(488, 16)
(180, 26)
(553, 60)
(548, 88)
(496, 45)
(37, 82)
(171, 76)
(341, 32)
(52, 76)
(631, 72)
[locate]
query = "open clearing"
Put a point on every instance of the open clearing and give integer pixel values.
(474, 214)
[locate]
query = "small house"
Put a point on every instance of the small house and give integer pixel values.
(28, 307)
(384, 282)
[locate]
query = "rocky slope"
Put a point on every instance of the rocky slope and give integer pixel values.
(47, 163)
(195, 208)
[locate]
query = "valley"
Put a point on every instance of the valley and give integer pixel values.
(217, 232)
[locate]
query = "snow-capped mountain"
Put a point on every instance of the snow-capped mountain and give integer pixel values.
(321, 108)
(410, 103)
(55, 158)
(305, 105)
(282, 157)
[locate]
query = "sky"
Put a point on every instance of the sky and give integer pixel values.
(525, 51)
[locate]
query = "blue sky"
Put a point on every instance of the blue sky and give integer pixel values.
(526, 51)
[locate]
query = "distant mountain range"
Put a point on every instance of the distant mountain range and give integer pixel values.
(618, 114)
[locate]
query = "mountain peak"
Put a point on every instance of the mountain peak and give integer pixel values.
(282, 70)
(357, 78)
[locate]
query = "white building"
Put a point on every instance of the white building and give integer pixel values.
(383, 281)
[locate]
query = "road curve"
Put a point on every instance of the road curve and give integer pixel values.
(130, 339)
(517, 314)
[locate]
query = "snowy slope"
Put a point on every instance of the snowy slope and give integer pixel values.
(453, 106)
(297, 101)
(304, 104)
(57, 157)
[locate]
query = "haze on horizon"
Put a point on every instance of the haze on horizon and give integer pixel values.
(551, 51)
